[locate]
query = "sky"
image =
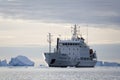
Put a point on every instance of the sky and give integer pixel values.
(26, 23)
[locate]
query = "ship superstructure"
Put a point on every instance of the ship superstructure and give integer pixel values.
(73, 52)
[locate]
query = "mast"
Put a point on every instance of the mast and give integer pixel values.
(75, 32)
(49, 41)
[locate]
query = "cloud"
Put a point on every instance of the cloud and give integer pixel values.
(65, 11)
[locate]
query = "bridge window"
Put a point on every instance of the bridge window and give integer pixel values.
(71, 43)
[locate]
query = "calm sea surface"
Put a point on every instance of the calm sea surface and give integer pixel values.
(97, 73)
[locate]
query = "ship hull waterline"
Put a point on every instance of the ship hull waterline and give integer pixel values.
(63, 60)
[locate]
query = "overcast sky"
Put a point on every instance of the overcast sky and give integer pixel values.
(27, 22)
(77, 11)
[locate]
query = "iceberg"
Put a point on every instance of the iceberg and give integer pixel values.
(3, 63)
(110, 64)
(21, 61)
(99, 63)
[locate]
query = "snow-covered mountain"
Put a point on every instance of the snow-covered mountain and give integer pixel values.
(21, 61)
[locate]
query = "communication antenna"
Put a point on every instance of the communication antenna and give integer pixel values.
(79, 31)
(49, 41)
(87, 34)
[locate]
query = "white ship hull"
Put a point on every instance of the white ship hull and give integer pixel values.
(62, 60)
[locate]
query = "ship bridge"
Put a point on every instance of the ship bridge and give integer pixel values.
(72, 42)
(76, 39)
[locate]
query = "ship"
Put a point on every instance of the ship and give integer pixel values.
(73, 52)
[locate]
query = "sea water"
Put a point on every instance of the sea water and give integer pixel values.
(46, 73)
